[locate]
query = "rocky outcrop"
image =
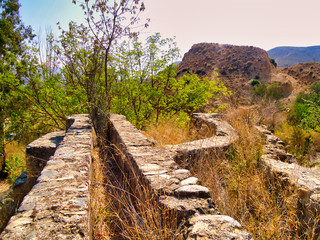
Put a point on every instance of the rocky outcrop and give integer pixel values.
(304, 73)
(236, 66)
(175, 187)
(57, 207)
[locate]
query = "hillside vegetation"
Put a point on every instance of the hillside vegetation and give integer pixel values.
(304, 73)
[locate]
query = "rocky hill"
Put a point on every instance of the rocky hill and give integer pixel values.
(288, 56)
(236, 65)
(304, 73)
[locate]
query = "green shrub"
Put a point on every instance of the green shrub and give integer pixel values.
(267, 91)
(255, 82)
(273, 62)
(15, 165)
(150, 91)
(306, 110)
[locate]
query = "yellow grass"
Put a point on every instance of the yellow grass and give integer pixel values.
(4, 185)
(242, 190)
(122, 208)
(15, 148)
(98, 196)
(169, 132)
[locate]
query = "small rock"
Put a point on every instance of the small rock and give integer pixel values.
(192, 191)
(272, 139)
(190, 181)
(181, 174)
(216, 227)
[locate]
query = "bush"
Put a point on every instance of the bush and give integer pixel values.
(267, 91)
(148, 90)
(14, 167)
(255, 82)
(305, 111)
(273, 62)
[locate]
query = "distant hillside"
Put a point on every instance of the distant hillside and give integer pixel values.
(304, 73)
(236, 65)
(288, 56)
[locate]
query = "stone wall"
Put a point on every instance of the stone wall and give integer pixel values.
(220, 135)
(57, 207)
(175, 187)
(281, 167)
(37, 154)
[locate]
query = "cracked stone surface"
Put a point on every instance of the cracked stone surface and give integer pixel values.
(57, 207)
(38, 153)
(175, 186)
(283, 168)
(216, 227)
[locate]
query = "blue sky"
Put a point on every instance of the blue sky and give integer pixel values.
(261, 23)
(43, 14)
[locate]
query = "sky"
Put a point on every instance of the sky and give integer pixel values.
(260, 23)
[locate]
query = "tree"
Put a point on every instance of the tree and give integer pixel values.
(13, 34)
(47, 96)
(148, 89)
(108, 22)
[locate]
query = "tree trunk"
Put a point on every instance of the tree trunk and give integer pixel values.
(3, 175)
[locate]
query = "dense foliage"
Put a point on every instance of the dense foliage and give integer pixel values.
(147, 88)
(12, 57)
(266, 91)
(306, 109)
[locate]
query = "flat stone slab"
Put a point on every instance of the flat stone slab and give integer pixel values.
(192, 191)
(216, 227)
(189, 206)
(50, 140)
(190, 181)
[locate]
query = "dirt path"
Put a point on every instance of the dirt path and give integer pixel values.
(296, 87)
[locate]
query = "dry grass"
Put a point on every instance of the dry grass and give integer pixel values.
(298, 142)
(15, 148)
(4, 185)
(169, 132)
(100, 229)
(122, 208)
(134, 210)
(241, 189)
(268, 209)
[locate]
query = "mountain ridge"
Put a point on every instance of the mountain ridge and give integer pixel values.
(286, 56)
